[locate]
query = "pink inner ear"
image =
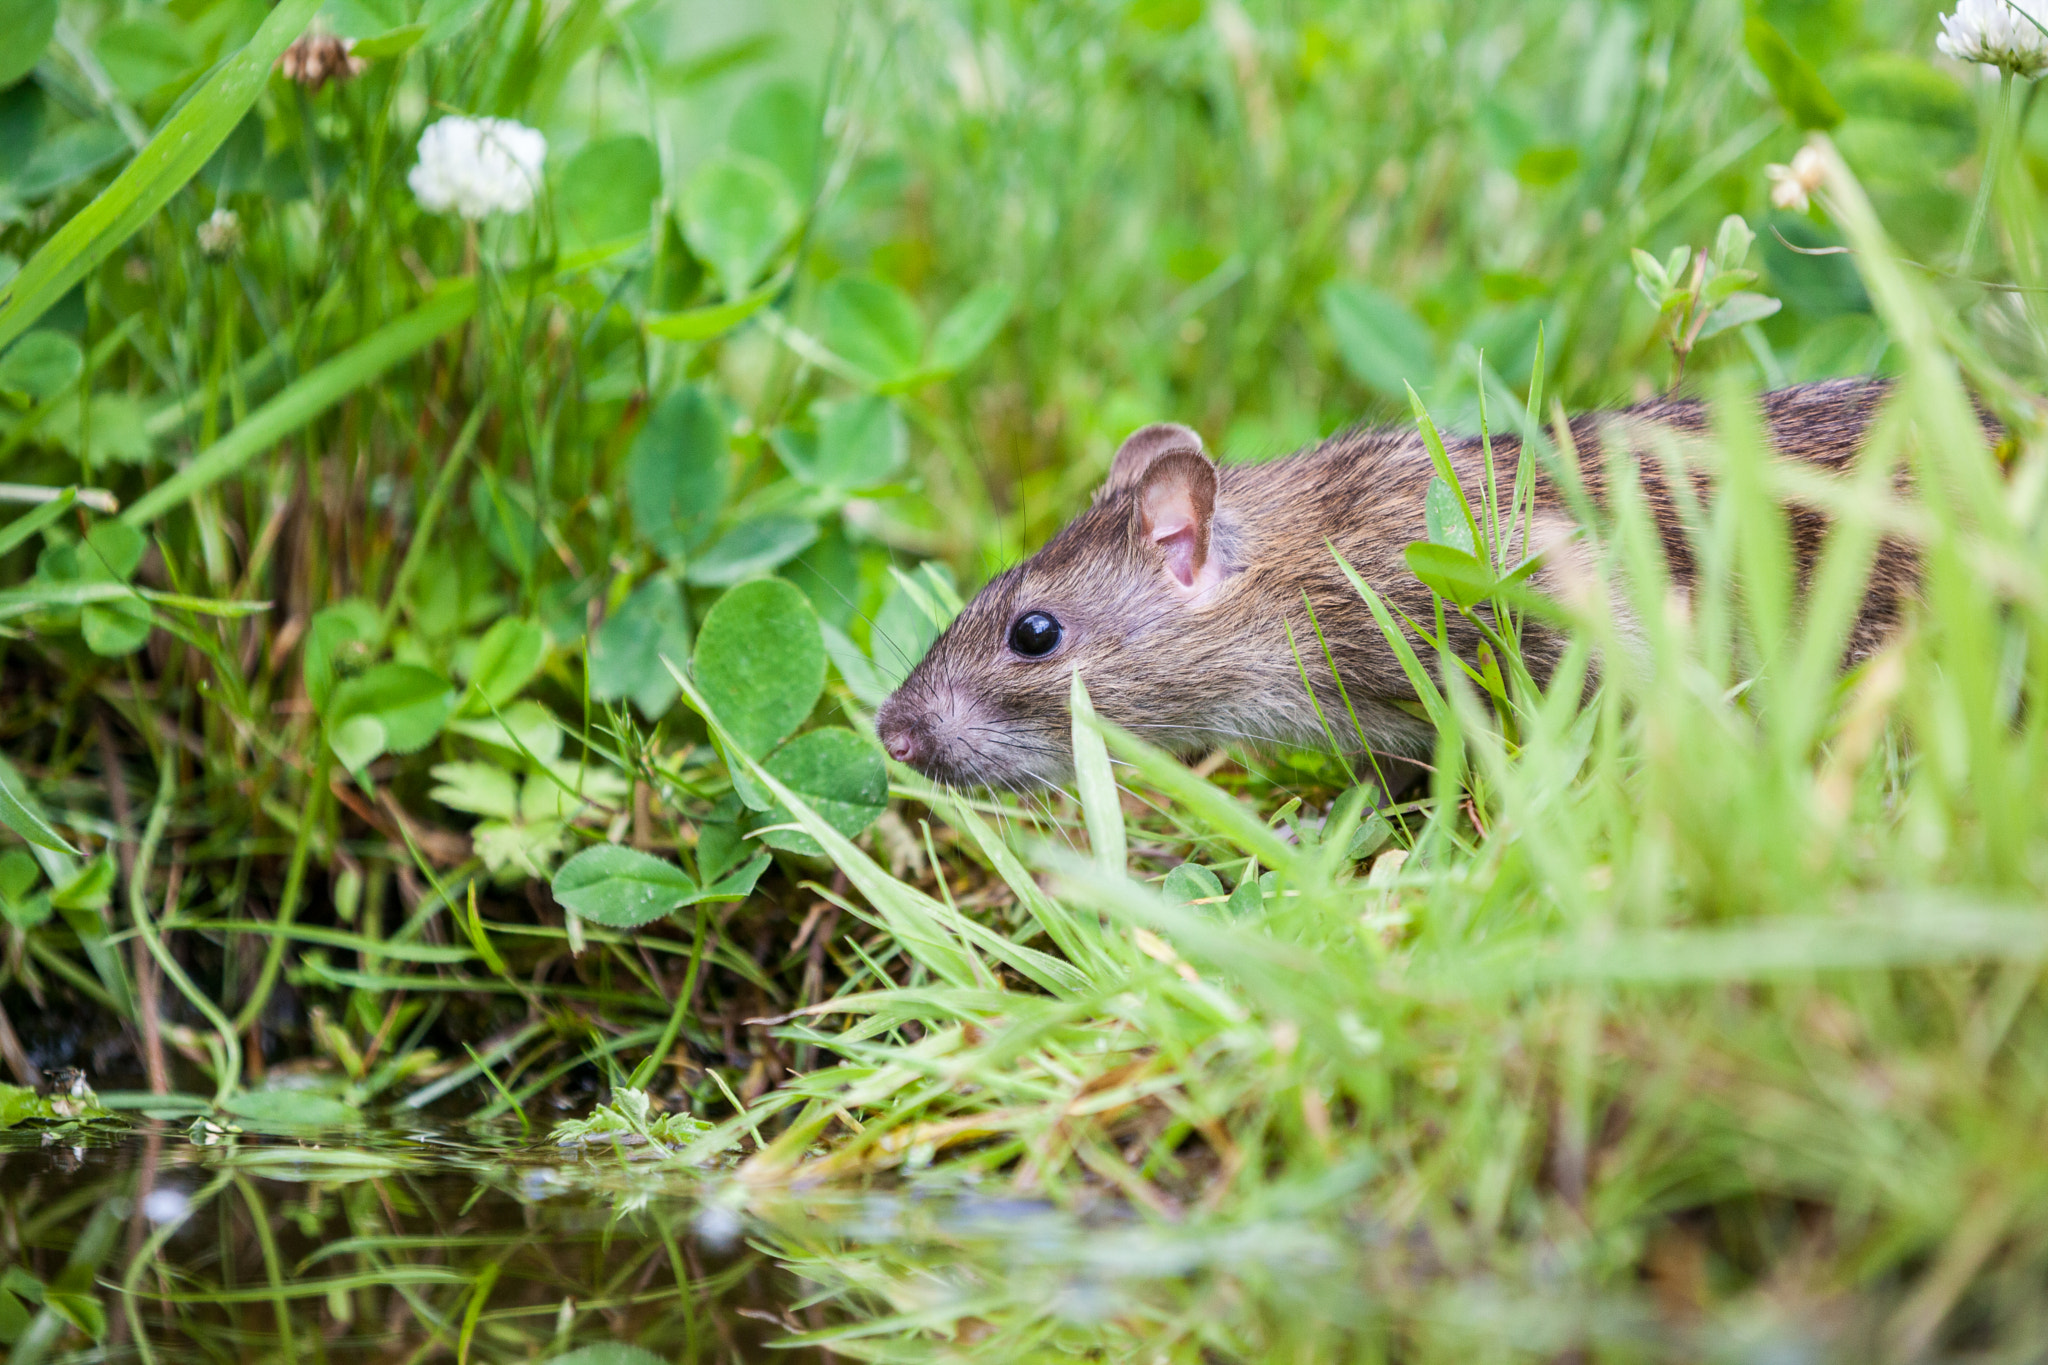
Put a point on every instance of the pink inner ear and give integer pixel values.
(1178, 545)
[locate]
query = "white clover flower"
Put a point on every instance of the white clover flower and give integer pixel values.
(1791, 184)
(220, 236)
(478, 166)
(2001, 33)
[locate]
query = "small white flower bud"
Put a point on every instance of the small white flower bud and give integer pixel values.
(220, 236)
(318, 58)
(1790, 185)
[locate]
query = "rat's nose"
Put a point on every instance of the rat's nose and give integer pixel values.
(904, 733)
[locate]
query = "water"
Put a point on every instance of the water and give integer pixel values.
(414, 1247)
(402, 1249)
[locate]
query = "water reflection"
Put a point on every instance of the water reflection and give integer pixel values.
(158, 1249)
(411, 1248)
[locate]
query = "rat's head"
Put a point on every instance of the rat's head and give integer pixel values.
(1135, 593)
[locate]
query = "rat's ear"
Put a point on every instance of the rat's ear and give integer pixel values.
(1145, 445)
(1176, 499)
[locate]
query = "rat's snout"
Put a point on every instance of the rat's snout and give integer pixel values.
(906, 730)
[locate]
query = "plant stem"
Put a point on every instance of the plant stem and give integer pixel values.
(1994, 156)
(644, 1073)
(230, 1074)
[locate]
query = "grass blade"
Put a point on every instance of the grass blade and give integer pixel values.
(1096, 783)
(1205, 801)
(28, 523)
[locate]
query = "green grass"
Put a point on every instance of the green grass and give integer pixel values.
(1707, 994)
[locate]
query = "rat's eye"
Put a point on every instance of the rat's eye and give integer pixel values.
(1034, 634)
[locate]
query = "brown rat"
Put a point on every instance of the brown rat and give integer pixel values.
(1173, 591)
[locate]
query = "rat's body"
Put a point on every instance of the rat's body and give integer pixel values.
(1174, 592)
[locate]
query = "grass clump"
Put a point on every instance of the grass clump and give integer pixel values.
(439, 652)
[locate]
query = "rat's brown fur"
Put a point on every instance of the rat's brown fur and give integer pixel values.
(1189, 674)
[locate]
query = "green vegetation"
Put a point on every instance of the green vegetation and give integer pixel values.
(436, 657)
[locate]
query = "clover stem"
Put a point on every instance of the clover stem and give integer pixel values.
(1994, 155)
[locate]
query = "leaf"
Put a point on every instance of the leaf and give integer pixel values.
(1904, 120)
(1731, 243)
(1454, 575)
(359, 19)
(1191, 882)
(524, 730)
(356, 741)
(1739, 309)
(1650, 276)
(478, 788)
(677, 472)
(506, 659)
(607, 1353)
(172, 157)
(143, 53)
(1725, 284)
(90, 888)
(112, 629)
(874, 325)
(777, 123)
(839, 775)
(1444, 514)
(760, 662)
(1250, 895)
(41, 364)
(737, 213)
(112, 551)
(608, 189)
(291, 1109)
(861, 443)
(716, 319)
(967, 330)
(566, 787)
(306, 397)
(20, 812)
(28, 25)
(67, 157)
(407, 703)
(751, 548)
(82, 1311)
(622, 888)
(737, 886)
(336, 632)
(1792, 78)
(391, 43)
(1383, 344)
(18, 874)
(119, 431)
(1546, 166)
(625, 654)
